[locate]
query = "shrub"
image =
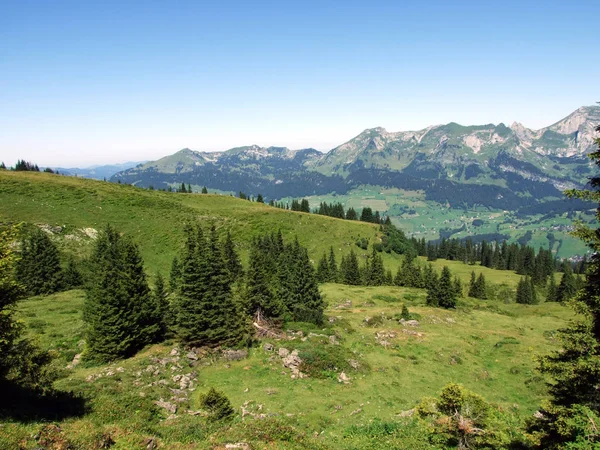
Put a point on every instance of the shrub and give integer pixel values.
(217, 405)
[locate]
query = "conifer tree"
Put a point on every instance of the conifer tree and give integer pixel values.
(375, 275)
(472, 282)
(323, 275)
(232, 260)
(333, 268)
(259, 199)
(261, 295)
(175, 275)
(118, 310)
(351, 214)
(350, 272)
(569, 419)
(446, 291)
(567, 287)
(525, 292)
(551, 290)
(39, 269)
(458, 290)
(72, 277)
(308, 305)
(207, 314)
(164, 313)
(433, 295)
(204, 190)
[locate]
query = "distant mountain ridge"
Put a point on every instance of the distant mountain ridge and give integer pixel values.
(99, 172)
(514, 160)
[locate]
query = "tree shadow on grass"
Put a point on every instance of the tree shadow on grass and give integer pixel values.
(26, 405)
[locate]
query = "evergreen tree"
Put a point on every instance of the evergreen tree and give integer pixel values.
(72, 277)
(163, 313)
(333, 268)
(446, 291)
(367, 215)
(351, 214)
(375, 275)
(118, 309)
(433, 296)
(232, 260)
(261, 296)
(204, 190)
(458, 290)
(350, 272)
(323, 275)
(551, 290)
(39, 268)
(567, 287)
(308, 305)
(207, 314)
(175, 276)
(477, 288)
(569, 419)
(189, 189)
(2, 165)
(525, 292)
(259, 199)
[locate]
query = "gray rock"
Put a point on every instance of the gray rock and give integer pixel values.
(268, 347)
(283, 352)
(192, 356)
(170, 407)
(235, 355)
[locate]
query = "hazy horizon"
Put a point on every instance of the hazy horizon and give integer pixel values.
(96, 83)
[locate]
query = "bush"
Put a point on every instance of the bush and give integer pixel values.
(217, 405)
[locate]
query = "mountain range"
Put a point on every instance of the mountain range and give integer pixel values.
(98, 172)
(508, 166)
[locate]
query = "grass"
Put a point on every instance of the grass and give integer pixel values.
(488, 347)
(156, 219)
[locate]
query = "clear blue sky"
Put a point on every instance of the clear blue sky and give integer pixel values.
(84, 82)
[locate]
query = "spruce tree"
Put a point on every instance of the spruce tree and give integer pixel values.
(308, 305)
(446, 291)
(164, 312)
(569, 419)
(551, 290)
(433, 295)
(323, 274)
(375, 275)
(232, 260)
(175, 275)
(259, 199)
(207, 314)
(72, 277)
(458, 290)
(333, 268)
(261, 295)
(567, 287)
(204, 190)
(118, 311)
(350, 272)
(39, 268)
(472, 285)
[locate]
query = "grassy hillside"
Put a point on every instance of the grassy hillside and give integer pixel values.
(488, 347)
(156, 219)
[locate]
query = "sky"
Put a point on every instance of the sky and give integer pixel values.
(86, 82)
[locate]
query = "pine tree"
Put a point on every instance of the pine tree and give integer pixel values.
(207, 314)
(433, 295)
(39, 267)
(308, 304)
(477, 287)
(333, 268)
(118, 310)
(567, 288)
(350, 272)
(526, 294)
(164, 313)
(323, 275)
(175, 275)
(351, 214)
(232, 260)
(189, 189)
(375, 270)
(259, 199)
(551, 290)
(261, 295)
(569, 418)
(204, 190)
(458, 290)
(72, 277)
(446, 292)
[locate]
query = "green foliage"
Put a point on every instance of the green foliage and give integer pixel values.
(442, 292)
(38, 268)
(477, 287)
(569, 419)
(526, 294)
(217, 405)
(119, 312)
(206, 312)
